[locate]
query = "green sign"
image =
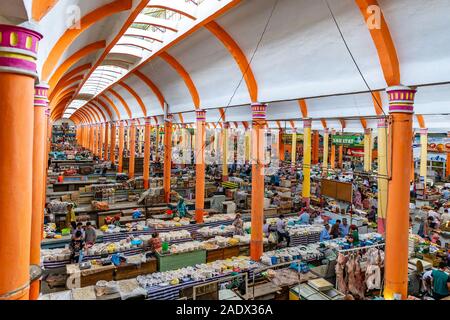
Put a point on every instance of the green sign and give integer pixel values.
(348, 140)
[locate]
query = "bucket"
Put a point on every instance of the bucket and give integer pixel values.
(165, 246)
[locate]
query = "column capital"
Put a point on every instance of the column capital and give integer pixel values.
(326, 130)
(201, 115)
(259, 111)
(307, 123)
(368, 131)
(382, 123)
(148, 120)
(169, 118)
(18, 48)
(423, 131)
(226, 125)
(401, 99)
(41, 95)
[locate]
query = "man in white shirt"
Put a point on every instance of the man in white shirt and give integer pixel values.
(445, 217)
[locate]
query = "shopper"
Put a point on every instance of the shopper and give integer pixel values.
(334, 233)
(71, 219)
(90, 235)
(344, 228)
(325, 234)
(281, 231)
(76, 247)
(440, 280)
(238, 225)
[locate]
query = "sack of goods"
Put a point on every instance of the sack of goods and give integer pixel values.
(100, 205)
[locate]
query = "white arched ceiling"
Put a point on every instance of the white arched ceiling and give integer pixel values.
(302, 54)
(120, 107)
(58, 20)
(207, 61)
(134, 106)
(171, 85)
(151, 102)
(420, 32)
(433, 100)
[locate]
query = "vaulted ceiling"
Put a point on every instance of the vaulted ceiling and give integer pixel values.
(115, 60)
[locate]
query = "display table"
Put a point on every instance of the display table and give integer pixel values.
(180, 260)
(83, 278)
(128, 271)
(222, 253)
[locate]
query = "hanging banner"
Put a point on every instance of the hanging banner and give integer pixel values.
(287, 138)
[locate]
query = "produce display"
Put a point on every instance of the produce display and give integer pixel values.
(177, 222)
(215, 231)
(196, 273)
(305, 253)
(175, 235)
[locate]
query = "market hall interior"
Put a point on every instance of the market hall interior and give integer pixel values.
(224, 149)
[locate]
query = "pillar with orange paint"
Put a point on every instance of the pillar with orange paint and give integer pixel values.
(294, 148)
(39, 150)
(112, 148)
(167, 156)
(101, 144)
(401, 108)
(132, 143)
(121, 145)
(17, 81)
(325, 152)
(281, 144)
(315, 147)
(106, 142)
(333, 151)
(147, 133)
(200, 166)
(258, 161)
(91, 138)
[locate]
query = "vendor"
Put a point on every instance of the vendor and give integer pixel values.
(238, 224)
(304, 216)
(354, 235)
(344, 228)
(372, 214)
(325, 234)
(445, 217)
(334, 232)
(155, 243)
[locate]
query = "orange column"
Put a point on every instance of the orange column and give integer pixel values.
(341, 155)
(106, 143)
(200, 166)
(401, 108)
(112, 148)
(167, 156)
(101, 141)
(333, 152)
(147, 133)
(132, 144)
(39, 150)
(281, 144)
(315, 150)
(157, 143)
(18, 48)
(91, 137)
(257, 213)
(121, 145)
(96, 136)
